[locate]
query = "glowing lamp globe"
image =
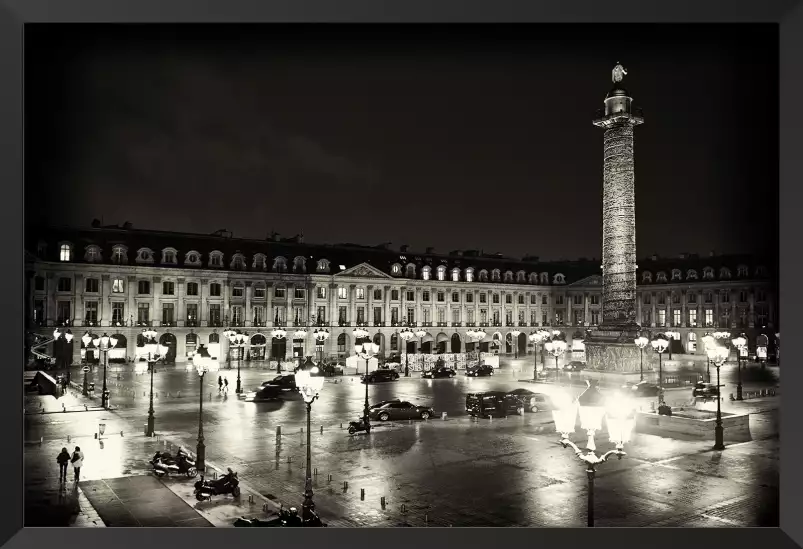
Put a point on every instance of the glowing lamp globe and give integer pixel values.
(321, 335)
(621, 418)
(205, 365)
(279, 333)
(87, 339)
(420, 333)
(515, 333)
(565, 417)
(407, 334)
(299, 334)
(660, 343)
(641, 342)
(309, 381)
(149, 334)
(229, 333)
(56, 333)
(591, 405)
(739, 342)
(360, 333)
(68, 336)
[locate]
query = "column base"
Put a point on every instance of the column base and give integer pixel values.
(612, 348)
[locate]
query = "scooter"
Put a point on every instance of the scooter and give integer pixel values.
(165, 464)
(227, 484)
(359, 425)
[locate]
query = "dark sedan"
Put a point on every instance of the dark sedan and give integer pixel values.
(380, 376)
(481, 370)
(396, 409)
(574, 366)
(438, 373)
(642, 389)
(263, 394)
(286, 382)
(531, 401)
(705, 390)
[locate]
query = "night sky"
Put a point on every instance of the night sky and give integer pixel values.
(469, 137)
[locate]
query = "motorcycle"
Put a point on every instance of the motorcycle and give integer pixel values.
(359, 425)
(165, 464)
(227, 484)
(286, 519)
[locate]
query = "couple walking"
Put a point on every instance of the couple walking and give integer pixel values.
(64, 458)
(222, 385)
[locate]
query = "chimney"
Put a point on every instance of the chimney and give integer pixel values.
(300, 238)
(430, 250)
(683, 255)
(712, 253)
(654, 257)
(404, 248)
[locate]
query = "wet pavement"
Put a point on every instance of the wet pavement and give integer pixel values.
(453, 471)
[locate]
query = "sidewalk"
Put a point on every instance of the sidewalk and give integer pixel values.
(120, 457)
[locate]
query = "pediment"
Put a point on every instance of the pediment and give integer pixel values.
(593, 280)
(363, 270)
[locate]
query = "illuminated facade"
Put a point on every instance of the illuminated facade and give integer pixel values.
(191, 287)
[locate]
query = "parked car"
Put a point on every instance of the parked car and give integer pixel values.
(574, 366)
(481, 370)
(642, 389)
(531, 401)
(284, 382)
(396, 409)
(380, 376)
(705, 390)
(440, 372)
(263, 394)
(492, 404)
(333, 369)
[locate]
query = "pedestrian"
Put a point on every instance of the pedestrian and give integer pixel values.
(63, 459)
(220, 385)
(77, 462)
(226, 385)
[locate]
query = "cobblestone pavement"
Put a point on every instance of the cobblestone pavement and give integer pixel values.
(455, 471)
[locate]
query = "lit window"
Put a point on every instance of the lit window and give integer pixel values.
(469, 275)
(118, 286)
(342, 292)
(65, 253)
(425, 273)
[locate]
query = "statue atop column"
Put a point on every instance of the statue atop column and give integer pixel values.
(618, 73)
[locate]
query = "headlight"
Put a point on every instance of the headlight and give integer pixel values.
(532, 400)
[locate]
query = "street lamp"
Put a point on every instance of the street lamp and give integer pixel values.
(279, 333)
(514, 336)
(659, 345)
(105, 343)
(538, 337)
(593, 408)
(203, 365)
(718, 354)
(670, 336)
(309, 383)
(321, 335)
(228, 333)
(406, 334)
(477, 336)
(86, 339)
(301, 334)
(740, 344)
(556, 347)
(420, 333)
(238, 341)
(155, 353)
(366, 351)
(641, 342)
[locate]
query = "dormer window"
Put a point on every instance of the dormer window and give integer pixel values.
(169, 256)
(496, 275)
(237, 262)
(708, 273)
(441, 272)
(260, 262)
(521, 277)
(395, 269)
(661, 277)
(559, 279)
(455, 275)
(675, 274)
(533, 278)
(761, 271)
(741, 271)
(216, 259)
(410, 270)
(544, 278)
(65, 252)
(508, 276)
(426, 273)
(323, 266)
(144, 255)
(470, 274)
(280, 265)
(646, 277)
(724, 273)
(192, 258)
(483, 276)
(92, 254)
(299, 265)
(691, 274)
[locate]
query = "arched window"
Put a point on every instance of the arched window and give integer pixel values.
(192, 258)
(544, 278)
(237, 262)
(144, 255)
(65, 252)
(724, 273)
(761, 271)
(559, 279)
(441, 272)
(533, 278)
(691, 274)
(341, 343)
(470, 274)
(396, 269)
(169, 256)
(675, 274)
(496, 275)
(92, 254)
(299, 264)
(119, 255)
(216, 259)
(260, 262)
(426, 273)
(322, 266)
(741, 271)
(646, 277)
(521, 277)
(410, 270)
(708, 273)
(661, 277)
(455, 275)
(483, 276)
(279, 264)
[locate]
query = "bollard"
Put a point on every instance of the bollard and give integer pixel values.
(168, 394)
(382, 502)
(251, 499)
(41, 439)
(68, 439)
(341, 425)
(289, 458)
(265, 507)
(178, 394)
(214, 475)
(321, 429)
(328, 477)
(443, 415)
(315, 471)
(403, 508)
(301, 431)
(426, 517)
(362, 494)
(278, 431)
(345, 485)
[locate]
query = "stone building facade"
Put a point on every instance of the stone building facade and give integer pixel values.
(190, 287)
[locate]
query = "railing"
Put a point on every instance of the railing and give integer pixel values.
(379, 324)
(426, 324)
(457, 324)
(471, 324)
(192, 323)
(442, 324)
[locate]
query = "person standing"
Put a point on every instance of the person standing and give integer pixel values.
(220, 385)
(226, 385)
(63, 459)
(77, 462)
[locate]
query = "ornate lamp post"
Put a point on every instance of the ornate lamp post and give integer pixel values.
(366, 351)
(556, 347)
(406, 334)
(514, 339)
(321, 335)
(671, 336)
(641, 342)
(238, 342)
(309, 383)
(155, 353)
(279, 333)
(203, 365)
(740, 344)
(228, 333)
(592, 406)
(105, 343)
(67, 353)
(301, 333)
(86, 339)
(420, 335)
(538, 337)
(718, 354)
(659, 345)
(477, 336)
